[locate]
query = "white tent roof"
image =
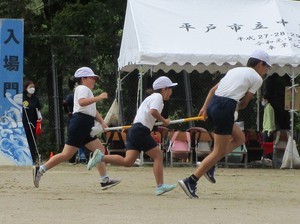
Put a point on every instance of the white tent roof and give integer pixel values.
(209, 35)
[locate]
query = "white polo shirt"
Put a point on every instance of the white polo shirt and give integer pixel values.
(237, 82)
(83, 91)
(154, 101)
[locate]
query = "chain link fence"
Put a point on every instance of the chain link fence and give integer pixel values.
(200, 84)
(177, 107)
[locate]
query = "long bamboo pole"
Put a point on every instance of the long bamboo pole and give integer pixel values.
(158, 123)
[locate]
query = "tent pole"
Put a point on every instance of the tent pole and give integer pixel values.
(292, 111)
(188, 96)
(292, 115)
(119, 86)
(139, 102)
(141, 87)
(139, 96)
(119, 96)
(258, 95)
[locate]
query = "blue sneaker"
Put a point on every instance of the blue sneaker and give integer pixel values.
(210, 175)
(164, 188)
(96, 158)
(188, 188)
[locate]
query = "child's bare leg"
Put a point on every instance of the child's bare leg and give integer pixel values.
(127, 161)
(237, 139)
(65, 155)
(92, 146)
(158, 166)
(223, 144)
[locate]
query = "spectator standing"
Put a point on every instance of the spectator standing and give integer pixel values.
(31, 114)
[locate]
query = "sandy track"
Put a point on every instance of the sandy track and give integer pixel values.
(71, 194)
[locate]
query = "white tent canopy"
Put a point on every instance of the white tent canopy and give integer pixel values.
(209, 35)
(213, 35)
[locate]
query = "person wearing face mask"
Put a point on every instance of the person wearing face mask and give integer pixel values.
(268, 120)
(32, 106)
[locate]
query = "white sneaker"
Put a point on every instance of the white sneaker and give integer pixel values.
(36, 176)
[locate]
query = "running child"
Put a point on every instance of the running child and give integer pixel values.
(138, 137)
(234, 91)
(80, 125)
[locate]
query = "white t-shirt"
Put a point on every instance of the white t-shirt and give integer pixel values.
(83, 91)
(237, 82)
(154, 101)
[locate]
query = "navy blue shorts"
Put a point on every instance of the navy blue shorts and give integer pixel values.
(79, 128)
(139, 138)
(220, 113)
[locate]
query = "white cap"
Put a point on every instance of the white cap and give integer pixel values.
(163, 82)
(261, 55)
(85, 72)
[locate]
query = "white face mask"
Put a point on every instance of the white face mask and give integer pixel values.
(31, 90)
(263, 103)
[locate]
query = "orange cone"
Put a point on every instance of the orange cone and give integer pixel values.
(51, 154)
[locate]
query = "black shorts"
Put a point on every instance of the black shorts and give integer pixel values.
(220, 113)
(79, 129)
(139, 138)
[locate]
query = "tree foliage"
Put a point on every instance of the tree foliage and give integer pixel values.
(60, 37)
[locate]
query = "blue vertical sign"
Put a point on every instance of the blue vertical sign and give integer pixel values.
(14, 148)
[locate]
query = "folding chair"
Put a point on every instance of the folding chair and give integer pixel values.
(204, 145)
(115, 142)
(238, 157)
(180, 148)
(82, 155)
(201, 142)
(253, 144)
(164, 131)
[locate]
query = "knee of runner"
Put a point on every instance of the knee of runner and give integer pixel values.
(128, 164)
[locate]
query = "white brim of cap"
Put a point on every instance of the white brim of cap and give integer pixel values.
(174, 84)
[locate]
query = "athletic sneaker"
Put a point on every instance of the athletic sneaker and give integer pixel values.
(188, 188)
(36, 176)
(109, 183)
(210, 175)
(95, 159)
(164, 188)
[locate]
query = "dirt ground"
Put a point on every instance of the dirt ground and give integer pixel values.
(71, 194)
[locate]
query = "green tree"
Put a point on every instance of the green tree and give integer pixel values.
(49, 47)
